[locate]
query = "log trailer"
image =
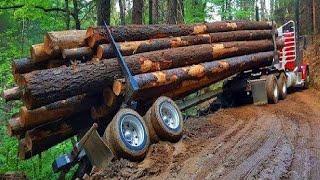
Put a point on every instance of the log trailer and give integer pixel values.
(129, 134)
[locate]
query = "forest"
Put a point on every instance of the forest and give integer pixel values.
(24, 22)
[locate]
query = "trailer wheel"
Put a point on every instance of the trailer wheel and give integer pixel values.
(272, 89)
(166, 119)
(128, 136)
(282, 84)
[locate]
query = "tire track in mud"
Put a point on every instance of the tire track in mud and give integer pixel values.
(279, 141)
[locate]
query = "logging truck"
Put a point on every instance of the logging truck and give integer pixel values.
(129, 134)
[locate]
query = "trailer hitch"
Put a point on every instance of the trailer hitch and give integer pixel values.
(90, 145)
(131, 84)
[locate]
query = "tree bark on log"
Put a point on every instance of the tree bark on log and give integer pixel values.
(135, 47)
(81, 54)
(12, 94)
(178, 82)
(45, 136)
(55, 42)
(57, 110)
(47, 86)
(38, 53)
(25, 65)
(96, 35)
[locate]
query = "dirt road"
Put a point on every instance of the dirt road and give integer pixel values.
(271, 141)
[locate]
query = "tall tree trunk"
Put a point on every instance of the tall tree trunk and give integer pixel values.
(122, 6)
(306, 16)
(103, 11)
(257, 11)
(272, 4)
(67, 14)
(228, 9)
(180, 11)
(76, 12)
(150, 12)
(137, 11)
(172, 12)
(263, 10)
(154, 11)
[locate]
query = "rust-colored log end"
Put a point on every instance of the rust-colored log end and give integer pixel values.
(100, 51)
(118, 87)
(23, 115)
(38, 53)
(14, 127)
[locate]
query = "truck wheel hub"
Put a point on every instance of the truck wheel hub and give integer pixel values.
(132, 130)
(169, 115)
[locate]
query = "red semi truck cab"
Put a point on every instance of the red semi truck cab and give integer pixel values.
(290, 58)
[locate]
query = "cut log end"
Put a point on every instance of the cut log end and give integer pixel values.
(118, 87)
(14, 127)
(12, 94)
(82, 53)
(100, 52)
(38, 53)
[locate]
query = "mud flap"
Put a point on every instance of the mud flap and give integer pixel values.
(259, 92)
(96, 149)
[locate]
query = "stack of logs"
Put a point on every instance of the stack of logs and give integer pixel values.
(73, 78)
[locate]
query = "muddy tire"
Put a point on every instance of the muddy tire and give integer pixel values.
(152, 133)
(166, 119)
(127, 135)
(282, 84)
(272, 89)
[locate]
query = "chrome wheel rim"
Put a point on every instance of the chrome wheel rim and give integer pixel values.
(169, 115)
(275, 91)
(284, 88)
(132, 130)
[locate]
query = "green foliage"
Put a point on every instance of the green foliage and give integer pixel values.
(19, 28)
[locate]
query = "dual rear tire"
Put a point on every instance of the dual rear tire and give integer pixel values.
(128, 135)
(272, 89)
(164, 121)
(276, 88)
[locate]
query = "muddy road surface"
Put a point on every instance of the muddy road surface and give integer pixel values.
(279, 141)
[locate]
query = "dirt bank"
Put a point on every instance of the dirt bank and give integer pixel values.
(271, 141)
(312, 57)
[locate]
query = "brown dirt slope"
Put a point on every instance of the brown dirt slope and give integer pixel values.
(312, 57)
(268, 142)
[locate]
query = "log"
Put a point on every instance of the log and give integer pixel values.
(81, 54)
(57, 63)
(12, 94)
(134, 47)
(38, 53)
(14, 127)
(96, 35)
(23, 152)
(25, 65)
(55, 42)
(176, 83)
(47, 86)
(57, 110)
(45, 136)
(109, 107)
